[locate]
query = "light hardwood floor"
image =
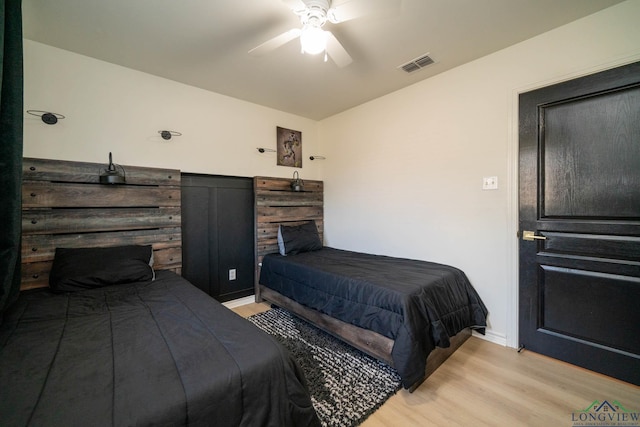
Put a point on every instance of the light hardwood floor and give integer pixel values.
(485, 384)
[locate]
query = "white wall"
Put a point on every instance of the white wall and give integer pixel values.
(403, 174)
(112, 108)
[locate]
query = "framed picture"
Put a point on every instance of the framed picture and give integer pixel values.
(289, 143)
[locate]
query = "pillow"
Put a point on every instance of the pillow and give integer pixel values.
(75, 269)
(293, 239)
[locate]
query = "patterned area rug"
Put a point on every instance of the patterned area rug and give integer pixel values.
(346, 385)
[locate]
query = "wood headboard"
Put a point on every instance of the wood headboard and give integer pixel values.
(277, 204)
(63, 205)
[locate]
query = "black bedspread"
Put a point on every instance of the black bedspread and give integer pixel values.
(416, 303)
(156, 353)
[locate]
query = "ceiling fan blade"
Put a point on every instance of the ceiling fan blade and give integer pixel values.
(337, 52)
(353, 9)
(275, 42)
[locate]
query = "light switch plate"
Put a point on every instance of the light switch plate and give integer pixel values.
(232, 274)
(490, 183)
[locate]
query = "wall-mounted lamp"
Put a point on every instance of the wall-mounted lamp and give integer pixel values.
(297, 184)
(168, 134)
(317, 157)
(46, 116)
(111, 175)
(269, 150)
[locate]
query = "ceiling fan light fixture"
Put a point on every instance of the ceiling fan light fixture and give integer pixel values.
(313, 14)
(313, 40)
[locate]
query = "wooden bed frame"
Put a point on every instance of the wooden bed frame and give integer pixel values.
(64, 205)
(276, 204)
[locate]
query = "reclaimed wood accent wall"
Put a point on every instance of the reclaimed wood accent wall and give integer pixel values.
(63, 205)
(277, 204)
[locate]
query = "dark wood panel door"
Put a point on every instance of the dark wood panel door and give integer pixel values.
(217, 232)
(199, 257)
(235, 239)
(579, 199)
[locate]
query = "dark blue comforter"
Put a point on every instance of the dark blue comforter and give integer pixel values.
(418, 304)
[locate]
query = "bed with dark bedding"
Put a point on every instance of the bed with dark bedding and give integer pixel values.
(105, 332)
(411, 314)
(147, 353)
(417, 304)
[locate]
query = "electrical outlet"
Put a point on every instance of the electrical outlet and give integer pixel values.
(490, 183)
(232, 274)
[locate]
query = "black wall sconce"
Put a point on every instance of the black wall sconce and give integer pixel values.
(111, 175)
(268, 150)
(46, 116)
(317, 157)
(168, 134)
(297, 184)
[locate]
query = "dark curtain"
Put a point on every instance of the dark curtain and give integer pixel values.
(11, 106)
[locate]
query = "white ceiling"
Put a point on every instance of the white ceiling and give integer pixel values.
(204, 43)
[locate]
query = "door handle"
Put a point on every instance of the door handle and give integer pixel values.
(531, 236)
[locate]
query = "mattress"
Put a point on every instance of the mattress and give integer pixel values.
(158, 353)
(418, 304)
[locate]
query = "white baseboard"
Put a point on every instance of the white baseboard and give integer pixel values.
(240, 301)
(493, 337)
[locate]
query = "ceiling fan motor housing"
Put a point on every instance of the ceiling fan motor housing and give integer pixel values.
(315, 14)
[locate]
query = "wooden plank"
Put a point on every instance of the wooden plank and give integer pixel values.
(41, 247)
(69, 171)
(35, 275)
(267, 248)
(284, 202)
(288, 198)
(167, 257)
(54, 195)
(58, 221)
(365, 340)
(316, 194)
(284, 184)
(279, 214)
(288, 194)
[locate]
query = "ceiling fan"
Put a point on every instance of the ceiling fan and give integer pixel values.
(313, 15)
